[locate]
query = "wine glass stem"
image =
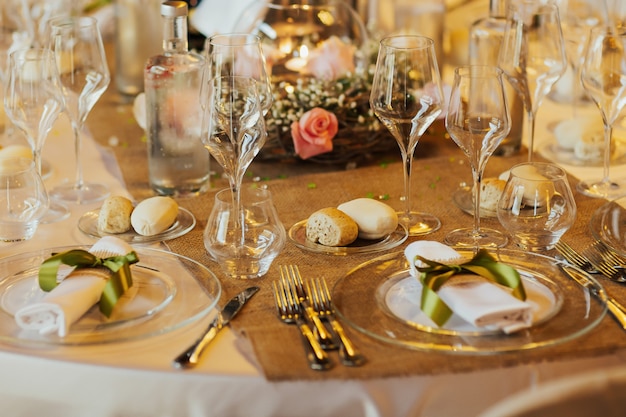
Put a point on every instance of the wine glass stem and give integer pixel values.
(477, 177)
(530, 119)
(235, 187)
(608, 133)
(77, 147)
(407, 161)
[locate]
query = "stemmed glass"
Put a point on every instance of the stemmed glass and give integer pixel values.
(407, 97)
(239, 55)
(532, 55)
(603, 76)
(84, 74)
(235, 133)
(33, 102)
(477, 120)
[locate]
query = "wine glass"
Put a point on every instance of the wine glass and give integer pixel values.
(532, 55)
(239, 55)
(603, 76)
(234, 134)
(33, 101)
(477, 120)
(84, 74)
(407, 97)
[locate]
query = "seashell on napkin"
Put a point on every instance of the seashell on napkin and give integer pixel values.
(471, 297)
(74, 296)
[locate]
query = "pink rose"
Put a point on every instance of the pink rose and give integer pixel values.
(314, 133)
(331, 60)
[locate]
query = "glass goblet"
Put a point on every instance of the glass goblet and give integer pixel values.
(603, 76)
(84, 75)
(537, 205)
(235, 133)
(477, 120)
(33, 101)
(407, 97)
(532, 55)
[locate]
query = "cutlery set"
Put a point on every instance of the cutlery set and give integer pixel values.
(309, 306)
(597, 259)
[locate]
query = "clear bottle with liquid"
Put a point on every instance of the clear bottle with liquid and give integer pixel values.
(178, 163)
(486, 36)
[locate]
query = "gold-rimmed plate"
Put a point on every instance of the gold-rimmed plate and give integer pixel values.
(362, 299)
(169, 291)
(297, 234)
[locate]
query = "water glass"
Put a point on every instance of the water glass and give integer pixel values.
(23, 199)
(537, 206)
(248, 251)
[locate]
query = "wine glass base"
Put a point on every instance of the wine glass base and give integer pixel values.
(88, 193)
(55, 213)
(418, 223)
(486, 238)
(609, 190)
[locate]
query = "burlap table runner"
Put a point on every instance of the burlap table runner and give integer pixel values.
(276, 347)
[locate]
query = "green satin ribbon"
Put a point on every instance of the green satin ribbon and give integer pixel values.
(436, 274)
(120, 280)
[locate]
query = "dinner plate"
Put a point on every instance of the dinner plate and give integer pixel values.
(362, 299)
(168, 292)
(297, 234)
(464, 200)
(608, 224)
(185, 221)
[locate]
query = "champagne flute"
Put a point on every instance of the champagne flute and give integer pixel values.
(603, 76)
(33, 101)
(407, 97)
(477, 120)
(239, 55)
(234, 135)
(84, 74)
(532, 55)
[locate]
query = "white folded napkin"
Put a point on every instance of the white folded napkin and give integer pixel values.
(74, 296)
(478, 301)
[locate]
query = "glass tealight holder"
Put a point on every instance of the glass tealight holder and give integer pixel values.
(536, 206)
(244, 252)
(23, 199)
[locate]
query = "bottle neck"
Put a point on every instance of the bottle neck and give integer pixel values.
(498, 8)
(175, 34)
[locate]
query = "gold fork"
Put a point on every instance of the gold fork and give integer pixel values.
(600, 257)
(289, 312)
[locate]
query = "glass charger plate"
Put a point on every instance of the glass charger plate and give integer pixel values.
(464, 200)
(608, 224)
(169, 291)
(185, 221)
(297, 234)
(361, 298)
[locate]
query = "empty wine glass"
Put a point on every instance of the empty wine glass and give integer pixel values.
(477, 120)
(84, 75)
(407, 97)
(532, 55)
(239, 55)
(234, 135)
(603, 76)
(33, 102)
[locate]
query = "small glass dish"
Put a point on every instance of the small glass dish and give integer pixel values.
(608, 224)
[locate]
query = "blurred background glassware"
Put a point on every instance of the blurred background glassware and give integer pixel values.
(138, 36)
(23, 199)
(603, 76)
(485, 39)
(84, 75)
(477, 120)
(407, 97)
(263, 234)
(537, 205)
(33, 101)
(178, 165)
(39, 13)
(532, 55)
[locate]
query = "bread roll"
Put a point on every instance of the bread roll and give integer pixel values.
(114, 216)
(154, 215)
(331, 227)
(374, 218)
(490, 192)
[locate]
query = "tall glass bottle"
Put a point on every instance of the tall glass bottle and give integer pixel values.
(486, 36)
(178, 164)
